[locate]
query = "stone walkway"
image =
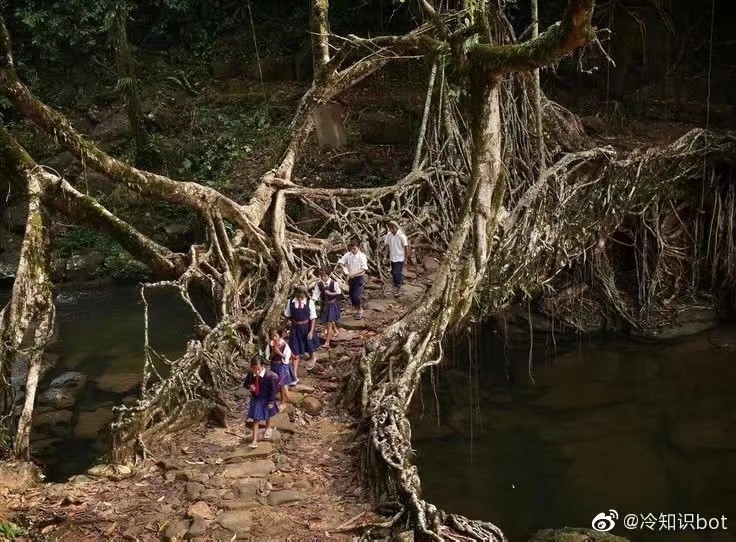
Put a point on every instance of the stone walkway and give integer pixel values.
(206, 484)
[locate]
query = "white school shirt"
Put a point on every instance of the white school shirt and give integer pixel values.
(312, 309)
(354, 262)
(397, 244)
(285, 350)
(317, 295)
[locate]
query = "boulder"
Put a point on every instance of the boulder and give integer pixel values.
(113, 382)
(56, 399)
(18, 476)
(178, 236)
(311, 405)
(691, 322)
(89, 424)
(381, 128)
(72, 381)
(14, 217)
(328, 122)
(55, 423)
(81, 267)
(430, 263)
(111, 129)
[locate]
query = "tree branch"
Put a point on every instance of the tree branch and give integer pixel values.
(62, 196)
(575, 30)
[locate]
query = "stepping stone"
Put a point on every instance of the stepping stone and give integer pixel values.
(199, 527)
(381, 305)
(247, 490)
(259, 468)
(264, 450)
(346, 335)
(177, 529)
(430, 263)
(303, 388)
(240, 521)
(281, 422)
(348, 322)
(200, 509)
(276, 498)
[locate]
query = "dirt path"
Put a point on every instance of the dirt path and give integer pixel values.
(206, 484)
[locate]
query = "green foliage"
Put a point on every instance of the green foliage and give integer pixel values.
(123, 268)
(11, 531)
(77, 238)
(218, 136)
(6, 443)
(76, 25)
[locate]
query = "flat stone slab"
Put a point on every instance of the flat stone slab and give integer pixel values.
(303, 388)
(381, 304)
(348, 322)
(247, 490)
(276, 498)
(236, 521)
(346, 335)
(259, 468)
(264, 450)
(281, 422)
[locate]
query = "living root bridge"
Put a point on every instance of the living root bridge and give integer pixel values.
(594, 190)
(476, 194)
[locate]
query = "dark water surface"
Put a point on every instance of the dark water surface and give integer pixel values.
(620, 424)
(101, 335)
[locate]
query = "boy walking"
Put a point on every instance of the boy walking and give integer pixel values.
(397, 252)
(356, 264)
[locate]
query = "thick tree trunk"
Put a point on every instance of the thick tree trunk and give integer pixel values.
(27, 321)
(321, 31)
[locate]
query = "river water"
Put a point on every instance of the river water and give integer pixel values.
(635, 426)
(612, 423)
(100, 334)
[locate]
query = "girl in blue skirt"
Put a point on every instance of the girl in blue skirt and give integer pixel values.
(278, 354)
(301, 311)
(262, 384)
(329, 293)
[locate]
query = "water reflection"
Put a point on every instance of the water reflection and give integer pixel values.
(635, 426)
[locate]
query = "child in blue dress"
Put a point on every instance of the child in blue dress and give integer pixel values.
(262, 384)
(278, 354)
(301, 311)
(329, 293)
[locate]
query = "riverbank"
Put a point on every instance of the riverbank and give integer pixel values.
(205, 483)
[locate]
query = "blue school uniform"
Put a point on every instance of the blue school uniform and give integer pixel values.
(264, 395)
(280, 363)
(301, 313)
(330, 309)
